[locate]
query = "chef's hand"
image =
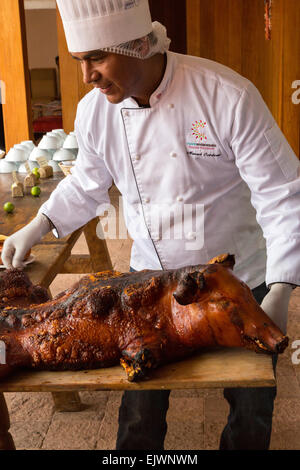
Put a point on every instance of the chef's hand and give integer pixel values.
(17, 245)
(276, 304)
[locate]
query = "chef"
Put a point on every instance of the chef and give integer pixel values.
(203, 169)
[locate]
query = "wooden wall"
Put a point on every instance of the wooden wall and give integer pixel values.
(71, 84)
(14, 73)
(172, 14)
(232, 32)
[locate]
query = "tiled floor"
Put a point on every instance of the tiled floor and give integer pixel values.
(195, 418)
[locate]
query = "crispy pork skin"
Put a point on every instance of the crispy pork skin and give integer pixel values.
(140, 319)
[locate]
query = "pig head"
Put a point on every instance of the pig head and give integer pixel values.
(222, 310)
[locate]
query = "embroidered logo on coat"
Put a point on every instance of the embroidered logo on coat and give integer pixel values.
(198, 130)
(199, 142)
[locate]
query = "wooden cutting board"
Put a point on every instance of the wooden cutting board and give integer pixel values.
(211, 369)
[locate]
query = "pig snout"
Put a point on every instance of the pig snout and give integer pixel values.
(257, 331)
(261, 333)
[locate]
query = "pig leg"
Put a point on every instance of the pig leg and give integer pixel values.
(138, 359)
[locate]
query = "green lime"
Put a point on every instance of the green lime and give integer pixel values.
(36, 191)
(35, 171)
(8, 207)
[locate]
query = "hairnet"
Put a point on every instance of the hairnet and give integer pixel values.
(155, 42)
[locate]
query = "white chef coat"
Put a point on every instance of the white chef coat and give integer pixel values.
(207, 142)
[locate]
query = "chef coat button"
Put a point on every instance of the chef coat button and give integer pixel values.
(171, 106)
(155, 236)
(146, 200)
(179, 198)
(191, 236)
(126, 113)
(173, 154)
(137, 157)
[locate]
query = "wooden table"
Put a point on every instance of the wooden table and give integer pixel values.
(52, 256)
(209, 369)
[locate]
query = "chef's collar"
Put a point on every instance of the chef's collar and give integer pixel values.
(161, 89)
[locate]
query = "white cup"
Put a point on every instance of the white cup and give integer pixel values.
(58, 137)
(49, 142)
(24, 148)
(28, 144)
(60, 132)
(17, 154)
(63, 154)
(71, 144)
(38, 152)
(7, 167)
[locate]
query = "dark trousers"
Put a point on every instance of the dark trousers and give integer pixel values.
(142, 415)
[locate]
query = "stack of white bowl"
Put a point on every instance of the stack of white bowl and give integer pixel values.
(29, 144)
(61, 134)
(16, 157)
(67, 149)
(56, 146)
(23, 148)
(13, 159)
(71, 143)
(51, 143)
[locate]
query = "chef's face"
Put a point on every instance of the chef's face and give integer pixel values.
(117, 76)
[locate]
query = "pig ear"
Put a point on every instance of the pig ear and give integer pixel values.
(188, 286)
(225, 259)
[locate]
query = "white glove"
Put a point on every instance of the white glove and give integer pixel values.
(17, 245)
(276, 304)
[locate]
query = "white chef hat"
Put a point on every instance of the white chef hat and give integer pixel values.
(120, 26)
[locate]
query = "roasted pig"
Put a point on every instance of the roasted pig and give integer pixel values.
(140, 319)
